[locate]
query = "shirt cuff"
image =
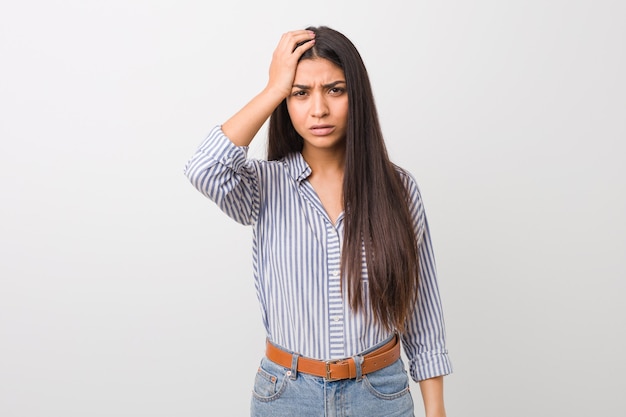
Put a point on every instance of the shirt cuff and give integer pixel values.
(430, 365)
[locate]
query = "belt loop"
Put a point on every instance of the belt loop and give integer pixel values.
(358, 361)
(294, 366)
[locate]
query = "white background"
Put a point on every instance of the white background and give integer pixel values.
(124, 292)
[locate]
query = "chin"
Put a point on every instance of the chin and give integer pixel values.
(324, 142)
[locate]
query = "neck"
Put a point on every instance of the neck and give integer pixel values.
(325, 161)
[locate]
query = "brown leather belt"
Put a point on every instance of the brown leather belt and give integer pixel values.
(334, 370)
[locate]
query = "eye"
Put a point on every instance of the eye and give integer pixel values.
(336, 91)
(298, 93)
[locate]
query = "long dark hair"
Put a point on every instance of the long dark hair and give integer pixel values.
(377, 215)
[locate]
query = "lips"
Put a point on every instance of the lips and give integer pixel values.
(321, 130)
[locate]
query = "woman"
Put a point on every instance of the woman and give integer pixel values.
(342, 256)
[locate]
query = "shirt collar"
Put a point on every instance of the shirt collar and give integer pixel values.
(297, 166)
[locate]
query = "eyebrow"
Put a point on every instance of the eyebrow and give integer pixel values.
(329, 85)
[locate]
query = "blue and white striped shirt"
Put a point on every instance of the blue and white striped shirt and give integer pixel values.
(296, 259)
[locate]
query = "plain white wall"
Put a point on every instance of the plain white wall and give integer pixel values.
(124, 292)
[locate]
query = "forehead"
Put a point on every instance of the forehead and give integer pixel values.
(317, 71)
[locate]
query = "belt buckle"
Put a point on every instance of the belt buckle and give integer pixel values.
(328, 377)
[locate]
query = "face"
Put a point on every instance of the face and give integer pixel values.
(318, 104)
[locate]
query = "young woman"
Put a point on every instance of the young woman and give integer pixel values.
(342, 256)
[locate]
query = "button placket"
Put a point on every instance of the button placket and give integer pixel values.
(335, 300)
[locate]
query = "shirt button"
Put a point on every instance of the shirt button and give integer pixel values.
(336, 318)
(335, 274)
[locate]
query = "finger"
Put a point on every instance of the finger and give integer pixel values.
(302, 47)
(299, 35)
(291, 40)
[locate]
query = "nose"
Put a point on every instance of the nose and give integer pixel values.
(319, 106)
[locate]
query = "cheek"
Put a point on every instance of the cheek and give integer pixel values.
(295, 113)
(343, 111)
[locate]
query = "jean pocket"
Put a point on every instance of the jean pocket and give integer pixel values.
(388, 383)
(270, 381)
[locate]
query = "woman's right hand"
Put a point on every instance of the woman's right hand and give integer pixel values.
(285, 59)
(244, 125)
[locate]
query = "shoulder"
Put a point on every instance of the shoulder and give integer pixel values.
(414, 201)
(289, 169)
(282, 164)
(410, 183)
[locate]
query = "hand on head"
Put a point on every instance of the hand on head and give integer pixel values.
(285, 59)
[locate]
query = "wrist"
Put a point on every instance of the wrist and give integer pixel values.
(275, 94)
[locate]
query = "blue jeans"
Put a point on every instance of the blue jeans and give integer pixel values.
(282, 392)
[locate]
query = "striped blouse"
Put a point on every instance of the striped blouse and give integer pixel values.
(296, 253)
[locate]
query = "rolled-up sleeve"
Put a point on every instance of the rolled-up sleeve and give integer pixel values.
(221, 171)
(424, 338)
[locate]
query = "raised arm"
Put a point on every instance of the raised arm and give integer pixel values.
(242, 127)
